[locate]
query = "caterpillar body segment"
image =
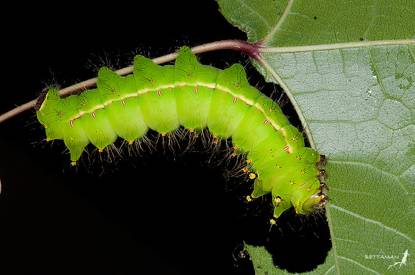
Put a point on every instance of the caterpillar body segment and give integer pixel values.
(195, 96)
(193, 100)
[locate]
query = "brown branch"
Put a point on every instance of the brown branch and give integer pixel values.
(236, 45)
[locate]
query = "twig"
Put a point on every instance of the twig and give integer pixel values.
(236, 45)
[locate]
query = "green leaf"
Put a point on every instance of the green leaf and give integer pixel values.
(349, 69)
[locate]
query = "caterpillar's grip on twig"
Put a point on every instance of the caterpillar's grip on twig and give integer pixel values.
(194, 96)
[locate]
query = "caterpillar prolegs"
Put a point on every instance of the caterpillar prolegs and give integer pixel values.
(195, 96)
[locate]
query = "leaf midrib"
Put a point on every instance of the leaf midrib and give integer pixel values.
(335, 46)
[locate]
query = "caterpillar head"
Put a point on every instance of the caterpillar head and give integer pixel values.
(305, 204)
(315, 202)
(306, 197)
(318, 200)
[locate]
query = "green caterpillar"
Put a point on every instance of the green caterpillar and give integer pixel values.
(194, 96)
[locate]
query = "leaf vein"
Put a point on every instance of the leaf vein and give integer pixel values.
(279, 23)
(255, 13)
(358, 264)
(353, 214)
(329, 270)
(373, 167)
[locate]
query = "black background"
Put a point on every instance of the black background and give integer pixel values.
(161, 213)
